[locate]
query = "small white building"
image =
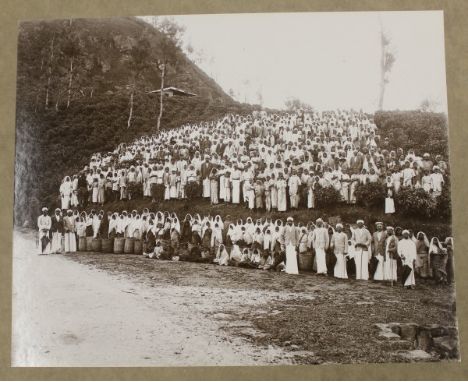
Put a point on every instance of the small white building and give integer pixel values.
(172, 91)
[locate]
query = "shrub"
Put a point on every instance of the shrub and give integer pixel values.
(370, 194)
(414, 129)
(415, 202)
(326, 196)
(444, 203)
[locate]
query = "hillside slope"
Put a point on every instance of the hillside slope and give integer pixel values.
(74, 85)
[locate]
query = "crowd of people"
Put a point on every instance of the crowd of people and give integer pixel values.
(339, 250)
(263, 161)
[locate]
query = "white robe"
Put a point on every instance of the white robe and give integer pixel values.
(291, 260)
(379, 272)
(407, 252)
(206, 188)
(222, 189)
(282, 203)
(361, 259)
(44, 223)
(70, 242)
(66, 190)
(56, 245)
(340, 271)
(236, 191)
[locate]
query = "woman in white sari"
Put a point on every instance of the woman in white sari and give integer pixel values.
(218, 220)
(222, 256)
(235, 256)
(267, 239)
(175, 223)
(216, 236)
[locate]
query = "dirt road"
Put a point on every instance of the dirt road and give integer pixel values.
(94, 309)
(66, 314)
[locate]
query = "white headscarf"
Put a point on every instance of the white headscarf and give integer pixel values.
(435, 247)
(425, 239)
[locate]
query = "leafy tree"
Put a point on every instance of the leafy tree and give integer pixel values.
(295, 103)
(111, 57)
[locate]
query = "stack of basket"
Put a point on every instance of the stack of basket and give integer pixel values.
(117, 245)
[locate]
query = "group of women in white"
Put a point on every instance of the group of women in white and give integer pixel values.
(265, 161)
(263, 243)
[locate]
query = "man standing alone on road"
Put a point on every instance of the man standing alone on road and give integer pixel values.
(44, 222)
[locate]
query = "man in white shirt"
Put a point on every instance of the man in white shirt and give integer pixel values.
(408, 175)
(320, 242)
(437, 182)
(44, 223)
(407, 252)
(363, 240)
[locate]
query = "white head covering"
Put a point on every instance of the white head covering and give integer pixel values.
(425, 239)
(433, 246)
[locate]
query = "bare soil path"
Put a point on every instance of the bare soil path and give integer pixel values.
(91, 309)
(66, 314)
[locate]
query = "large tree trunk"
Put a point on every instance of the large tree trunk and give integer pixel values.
(51, 57)
(131, 110)
(70, 83)
(163, 73)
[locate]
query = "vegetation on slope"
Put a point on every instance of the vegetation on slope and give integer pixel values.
(74, 86)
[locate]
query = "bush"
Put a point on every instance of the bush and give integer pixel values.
(370, 194)
(326, 196)
(444, 203)
(415, 202)
(414, 130)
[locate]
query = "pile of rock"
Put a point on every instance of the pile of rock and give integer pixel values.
(427, 341)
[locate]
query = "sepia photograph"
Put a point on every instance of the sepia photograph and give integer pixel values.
(233, 190)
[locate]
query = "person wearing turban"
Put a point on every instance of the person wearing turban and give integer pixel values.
(339, 244)
(44, 223)
(320, 243)
(57, 231)
(378, 250)
(407, 253)
(69, 228)
(362, 239)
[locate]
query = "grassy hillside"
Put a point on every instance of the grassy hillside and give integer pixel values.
(74, 84)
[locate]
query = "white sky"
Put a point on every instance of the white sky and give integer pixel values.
(329, 60)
